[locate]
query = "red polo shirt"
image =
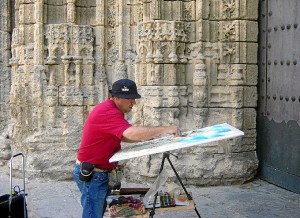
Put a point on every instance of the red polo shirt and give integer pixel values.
(102, 134)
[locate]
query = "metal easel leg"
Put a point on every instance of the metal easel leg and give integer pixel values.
(152, 212)
(181, 183)
(167, 155)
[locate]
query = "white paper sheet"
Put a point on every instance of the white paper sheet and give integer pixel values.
(169, 143)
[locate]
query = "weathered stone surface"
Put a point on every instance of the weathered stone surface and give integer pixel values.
(195, 64)
(204, 168)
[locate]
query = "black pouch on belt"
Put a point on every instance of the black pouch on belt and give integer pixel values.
(86, 171)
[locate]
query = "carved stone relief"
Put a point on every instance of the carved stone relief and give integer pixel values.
(194, 63)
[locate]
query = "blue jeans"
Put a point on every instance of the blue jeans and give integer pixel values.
(93, 193)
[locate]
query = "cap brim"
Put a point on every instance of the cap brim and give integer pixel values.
(131, 96)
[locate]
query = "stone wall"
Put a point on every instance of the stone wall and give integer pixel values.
(195, 63)
(5, 81)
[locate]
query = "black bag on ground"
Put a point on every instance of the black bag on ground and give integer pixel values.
(17, 206)
(14, 205)
(86, 171)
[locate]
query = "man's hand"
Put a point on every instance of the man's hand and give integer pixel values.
(174, 130)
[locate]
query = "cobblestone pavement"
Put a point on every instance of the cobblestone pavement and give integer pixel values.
(256, 199)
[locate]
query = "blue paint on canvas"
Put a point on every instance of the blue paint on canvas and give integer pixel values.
(208, 133)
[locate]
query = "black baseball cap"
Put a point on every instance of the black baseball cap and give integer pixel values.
(124, 88)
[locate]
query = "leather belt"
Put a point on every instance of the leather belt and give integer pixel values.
(95, 169)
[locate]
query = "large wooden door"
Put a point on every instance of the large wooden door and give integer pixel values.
(278, 120)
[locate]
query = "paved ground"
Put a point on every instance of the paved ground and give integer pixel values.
(256, 199)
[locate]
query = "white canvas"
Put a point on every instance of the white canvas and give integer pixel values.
(169, 143)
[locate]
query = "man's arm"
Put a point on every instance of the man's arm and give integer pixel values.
(144, 133)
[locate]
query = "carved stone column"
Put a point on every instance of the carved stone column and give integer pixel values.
(121, 68)
(78, 76)
(155, 6)
(66, 63)
(39, 33)
(200, 83)
(71, 11)
(100, 69)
